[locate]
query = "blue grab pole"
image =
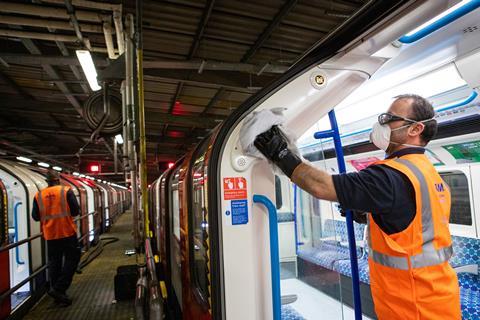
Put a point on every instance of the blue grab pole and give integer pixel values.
(335, 134)
(274, 254)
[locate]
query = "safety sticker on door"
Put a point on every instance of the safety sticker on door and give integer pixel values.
(234, 188)
(239, 212)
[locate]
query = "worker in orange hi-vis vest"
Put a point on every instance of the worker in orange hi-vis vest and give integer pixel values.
(55, 207)
(408, 207)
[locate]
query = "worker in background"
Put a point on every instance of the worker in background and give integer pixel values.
(55, 207)
(409, 208)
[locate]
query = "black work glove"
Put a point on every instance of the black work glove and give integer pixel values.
(357, 215)
(273, 145)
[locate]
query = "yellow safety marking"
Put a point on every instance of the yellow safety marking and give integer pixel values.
(163, 289)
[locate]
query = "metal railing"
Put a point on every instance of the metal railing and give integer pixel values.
(31, 276)
(20, 242)
(155, 302)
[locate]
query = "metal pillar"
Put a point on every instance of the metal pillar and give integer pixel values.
(141, 120)
(130, 124)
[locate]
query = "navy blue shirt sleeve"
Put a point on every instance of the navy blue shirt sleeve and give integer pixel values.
(381, 190)
(35, 212)
(73, 204)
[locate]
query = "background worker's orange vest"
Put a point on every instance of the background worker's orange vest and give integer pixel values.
(55, 217)
(411, 278)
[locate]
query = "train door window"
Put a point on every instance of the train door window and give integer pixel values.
(176, 214)
(199, 242)
(174, 235)
(460, 212)
(278, 192)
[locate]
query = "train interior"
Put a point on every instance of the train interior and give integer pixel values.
(20, 182)
(358, 84)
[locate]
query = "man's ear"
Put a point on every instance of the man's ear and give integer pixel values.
(416, 129)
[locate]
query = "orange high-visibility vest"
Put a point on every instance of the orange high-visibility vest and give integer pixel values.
(55, 217)
(410, 276)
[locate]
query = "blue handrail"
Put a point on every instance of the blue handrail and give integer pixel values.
(440, 23)
(335, 134)
(274, 254)
(462, 103)
(15, 225)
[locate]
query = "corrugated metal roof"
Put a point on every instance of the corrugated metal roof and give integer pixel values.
(275, 32)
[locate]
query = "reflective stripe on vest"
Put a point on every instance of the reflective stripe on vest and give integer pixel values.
(429, 256)
(64, 212)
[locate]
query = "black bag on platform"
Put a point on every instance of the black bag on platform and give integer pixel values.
(125, 282)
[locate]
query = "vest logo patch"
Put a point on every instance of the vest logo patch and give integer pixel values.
(439, 187)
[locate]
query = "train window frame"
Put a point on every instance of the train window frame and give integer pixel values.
(198, 165)
(463, 230)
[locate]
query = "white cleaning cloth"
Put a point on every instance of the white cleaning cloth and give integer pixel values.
(259, 122)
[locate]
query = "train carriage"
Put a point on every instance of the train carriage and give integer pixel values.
(219, 238)
(22, 250)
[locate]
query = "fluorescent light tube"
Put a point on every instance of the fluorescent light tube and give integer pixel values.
(88, 67)
(76, 174)
(119, 139)
(43, 164)
(24, 159)
(440, 16)
(57, 168)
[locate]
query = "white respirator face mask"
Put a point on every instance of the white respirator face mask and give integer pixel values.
(380, 135)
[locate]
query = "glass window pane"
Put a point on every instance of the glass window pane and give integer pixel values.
(200, 245)
(460, 212)
(174, 235)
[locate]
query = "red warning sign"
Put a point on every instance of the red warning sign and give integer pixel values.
(234, 188)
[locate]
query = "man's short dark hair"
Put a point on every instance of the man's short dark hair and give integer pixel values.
(422, 110)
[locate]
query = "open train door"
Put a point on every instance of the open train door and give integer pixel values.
(243, 196)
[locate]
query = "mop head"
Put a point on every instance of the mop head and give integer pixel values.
(259, 122)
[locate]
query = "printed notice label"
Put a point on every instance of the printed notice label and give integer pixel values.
(239, 212)
(234, 188)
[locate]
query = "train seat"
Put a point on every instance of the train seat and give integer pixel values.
(289, 313)
(337, 229)
(466, 251)
(470, 302)
(324, 255)
(344, 267)
(333, 245)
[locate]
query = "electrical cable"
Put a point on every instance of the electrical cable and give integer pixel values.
(96, 252)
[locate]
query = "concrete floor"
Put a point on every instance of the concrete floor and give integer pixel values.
(93, 290)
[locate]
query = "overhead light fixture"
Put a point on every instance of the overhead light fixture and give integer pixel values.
(88, 67)
(119, 139)
(24, 159)
(43, 164)
(57, 168)
(82, 176)
(441, 20)
(76, 174)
